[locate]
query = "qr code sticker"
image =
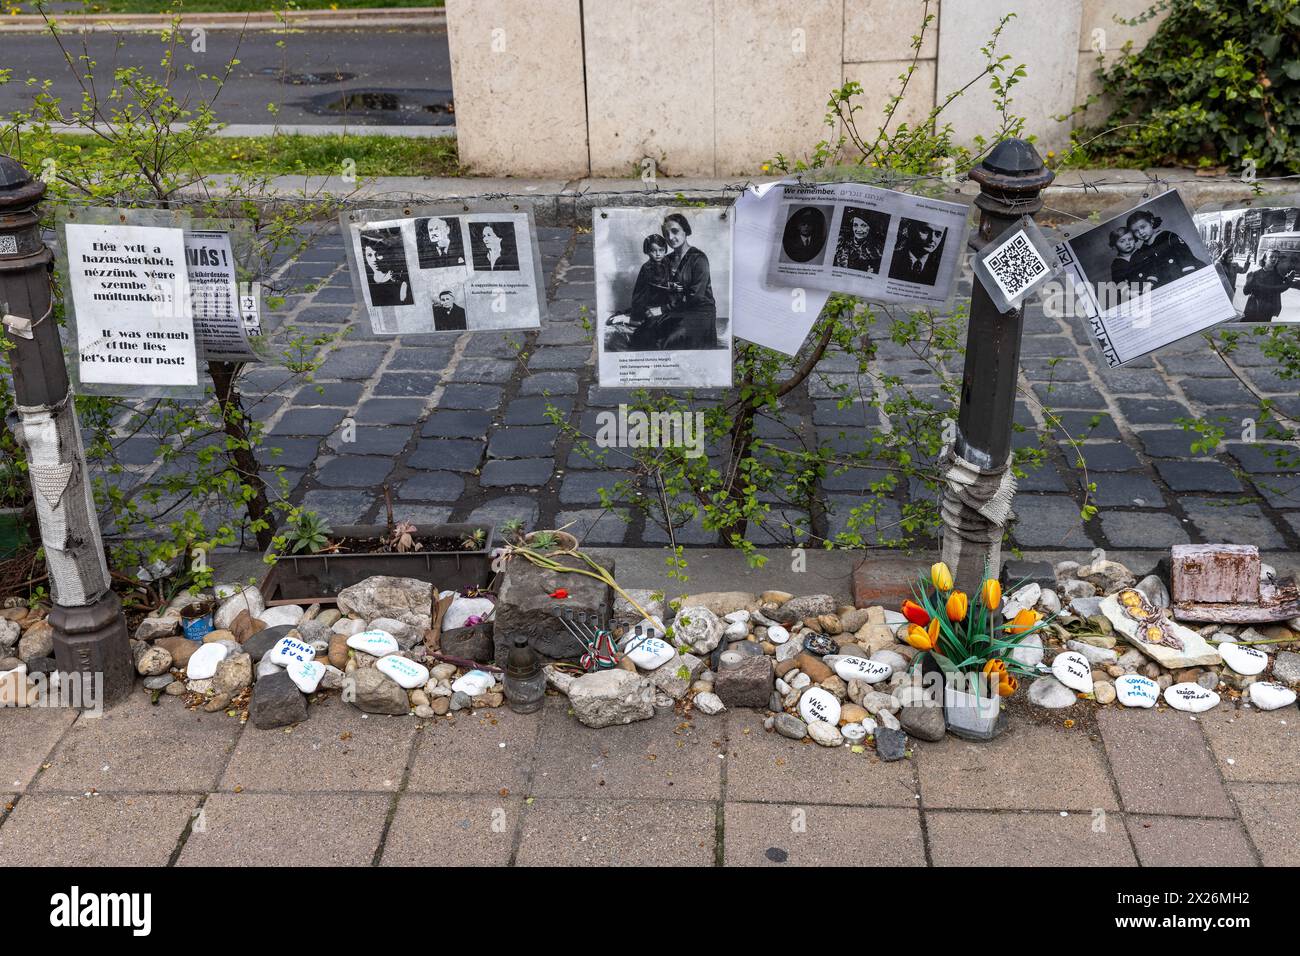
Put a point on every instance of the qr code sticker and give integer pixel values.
(8, 245)
(1016, 266)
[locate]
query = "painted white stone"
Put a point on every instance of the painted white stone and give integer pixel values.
(859, 668)
(473, 683)
(819, 704)
(651, 653)
(306, 674)
(407, 673)
(462, 609)
(283, 614)
(1134, 690)
(374, 643)
(1269, 695)
(1073, 670)
(1190, 697)
(854, 733)
(1244, 660)
(289, 650)
(777, 634)
(203, 662)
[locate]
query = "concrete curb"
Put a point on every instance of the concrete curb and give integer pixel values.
(554, 202)
(404, 17)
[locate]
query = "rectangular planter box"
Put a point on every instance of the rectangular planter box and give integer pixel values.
(318, 578)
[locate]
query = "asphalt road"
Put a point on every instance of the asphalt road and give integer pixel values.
(406, 61)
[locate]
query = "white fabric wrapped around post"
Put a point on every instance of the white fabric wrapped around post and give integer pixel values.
(975, 510)
(74, 548)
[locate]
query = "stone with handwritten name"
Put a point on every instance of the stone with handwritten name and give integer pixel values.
(1190, 697)
(1270, 695)
(1073, 670)
(859, 668)
(287, 650)
(649, 653)
(819, 704)
(407, 673)
(1134, 690)
(374, 643)
(306, 675)
(1244, 660)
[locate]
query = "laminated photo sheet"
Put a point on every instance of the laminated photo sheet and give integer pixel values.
(227, 316)
(663, 296)
(778, 318)
(1144, 279)
(128, 303)
(446, 269)
(1255, 247)
(863, 240)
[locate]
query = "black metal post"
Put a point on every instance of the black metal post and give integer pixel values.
(90, 637)
(979, 486)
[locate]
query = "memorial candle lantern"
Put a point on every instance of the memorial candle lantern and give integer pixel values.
(525, 684)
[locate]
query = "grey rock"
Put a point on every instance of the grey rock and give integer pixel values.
(39, 642)
(233, 674)
(266, 669)
(1051, 693)
(675, 676)
(749, 684)
(1155, 591)
(244, 598)
(608, 698)
(709, 703)
(152, 628)
(374, 693)
(923, 719)
(257, 646)
(1109, 576)
(408, 600)
(799, 608)
(524, 606)
(460, 700)
(697, 628)
(1095, 655)
(277, 702)
(652, 605)
(472, 643)
(828, 735)
(9, 632)
(153, 662)
(1286, 669)
(157, 682)
(891, 744)
(1029, 651)
(788, 725)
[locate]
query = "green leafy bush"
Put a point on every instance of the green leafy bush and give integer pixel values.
(1217, 85)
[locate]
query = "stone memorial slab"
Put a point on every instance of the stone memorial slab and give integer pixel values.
(1155, 634)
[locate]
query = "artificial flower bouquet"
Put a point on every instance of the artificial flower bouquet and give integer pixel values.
(966, 635)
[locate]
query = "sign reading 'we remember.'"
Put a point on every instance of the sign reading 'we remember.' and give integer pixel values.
(134, 315)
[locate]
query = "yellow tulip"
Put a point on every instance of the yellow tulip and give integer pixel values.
(991, 593)
(958, 604)
(919, 638)
(941, 576)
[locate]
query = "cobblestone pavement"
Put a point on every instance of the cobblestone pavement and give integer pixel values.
(458, 427)
(1141, 787)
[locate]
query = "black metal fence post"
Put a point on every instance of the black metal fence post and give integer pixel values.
(90, 637)
(979, 484)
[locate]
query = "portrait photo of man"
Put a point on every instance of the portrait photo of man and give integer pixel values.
(917, 252)
(447, 315)
(438, 243)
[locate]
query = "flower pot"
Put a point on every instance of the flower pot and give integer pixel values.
(318, 578)
(564, 542)
(969, 710)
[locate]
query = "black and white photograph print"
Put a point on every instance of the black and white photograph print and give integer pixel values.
(861, 243)
(1147, 248)
(663, 296)
(494, 246)
(448, 312)
(804, 238)
(1257, 254)
(388, 277)
(918, 250)
(439, 243)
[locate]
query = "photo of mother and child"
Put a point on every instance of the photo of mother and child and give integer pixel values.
(1147, 255)
(672, 306)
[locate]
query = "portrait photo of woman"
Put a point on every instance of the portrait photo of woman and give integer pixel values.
(1162, 256)
(862, 240)
(494, 246)
(388, 277)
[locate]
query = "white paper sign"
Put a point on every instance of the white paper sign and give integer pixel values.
(464, 273)
(214, 291)
(867, 241)
(1144, 280)
(779, 318)
(135, 322)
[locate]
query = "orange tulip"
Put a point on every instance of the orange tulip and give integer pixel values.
(991, 593)
(1024, 620)
(996, 665)
(915, 613)
(958, 604)
(941, 576)
(932, 629)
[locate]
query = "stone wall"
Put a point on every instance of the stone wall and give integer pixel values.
(715, 88)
